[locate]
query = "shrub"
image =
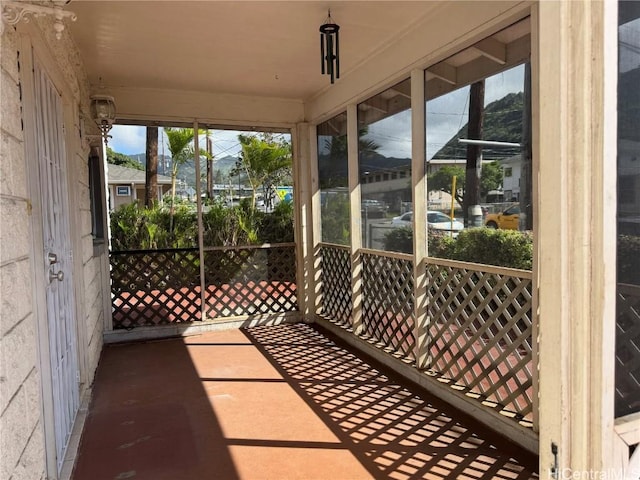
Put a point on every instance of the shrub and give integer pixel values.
(401, 240)
(277, 226)
(503, 248)
(335, 219)
(628, 259)
(440, 244)
(138, 228)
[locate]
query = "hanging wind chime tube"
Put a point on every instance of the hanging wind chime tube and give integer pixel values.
(330, 48)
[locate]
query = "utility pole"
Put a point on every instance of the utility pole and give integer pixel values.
(474, 156)
(526, 187)
(209, 166)
(151, 168)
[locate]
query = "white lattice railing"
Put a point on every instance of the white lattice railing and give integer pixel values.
(480, 332)
(628, 350)
(336, 284)
(387, 301)
(155, 287)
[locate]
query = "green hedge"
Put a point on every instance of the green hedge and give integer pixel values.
(629, 259)
(505, 248)
(139, 228)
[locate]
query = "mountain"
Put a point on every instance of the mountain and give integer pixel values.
(187, 172)
(502, 122)
(164, 162)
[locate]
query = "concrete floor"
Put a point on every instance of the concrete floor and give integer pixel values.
(280, 402)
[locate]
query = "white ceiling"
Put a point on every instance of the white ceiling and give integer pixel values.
(262, 48)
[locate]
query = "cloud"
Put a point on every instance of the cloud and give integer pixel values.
(131, 139)
(393, 135)
(445, 116)
(128, 139)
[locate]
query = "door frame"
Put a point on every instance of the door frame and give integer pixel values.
(31, 44)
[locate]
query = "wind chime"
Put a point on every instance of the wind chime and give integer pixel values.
(330, 48)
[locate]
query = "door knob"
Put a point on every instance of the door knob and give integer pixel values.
(56, 276)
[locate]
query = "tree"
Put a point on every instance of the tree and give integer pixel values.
(181, 150)
(263, 161)
(335, 164)
(151, 178)
(443, 180)
(210, 174)
(116, 158)
(491, 178)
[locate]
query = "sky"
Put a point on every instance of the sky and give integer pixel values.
(445, 116)
(131, 139)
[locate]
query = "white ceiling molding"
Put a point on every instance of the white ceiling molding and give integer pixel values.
(13, 12)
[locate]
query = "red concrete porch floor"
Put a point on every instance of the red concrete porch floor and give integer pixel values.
(278, 402)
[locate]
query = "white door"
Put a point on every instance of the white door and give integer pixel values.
(50, 151)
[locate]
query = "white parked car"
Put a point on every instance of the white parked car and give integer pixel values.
(435, 221)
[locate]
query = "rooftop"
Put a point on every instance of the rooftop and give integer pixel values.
(120, 174)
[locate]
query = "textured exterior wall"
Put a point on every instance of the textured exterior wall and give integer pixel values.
(21, 433)
(22, 448)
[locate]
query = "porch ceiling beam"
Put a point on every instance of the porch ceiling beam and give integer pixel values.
(493, 50)
(476, 70)
(403, 89)
(369, 114)
(376, 103)
(518, 52)
(445, 72)
(333, 127)
(437, 87)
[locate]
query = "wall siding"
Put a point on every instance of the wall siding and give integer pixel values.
(22, 448)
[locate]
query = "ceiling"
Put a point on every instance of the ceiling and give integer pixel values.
(261, 48)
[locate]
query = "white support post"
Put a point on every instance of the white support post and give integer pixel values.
(575, 234)
(356, 221)
(315, 294)
(302, 215)
(419, 201)
(203, 280)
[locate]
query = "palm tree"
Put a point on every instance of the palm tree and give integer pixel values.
(181, 150)
(180, 147)
(262, 159)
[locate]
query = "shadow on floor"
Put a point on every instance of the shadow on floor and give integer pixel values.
(276, 402)
(392, 430)
(150, 418)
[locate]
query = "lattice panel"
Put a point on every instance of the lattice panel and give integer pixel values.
(249, 281)
(155, 287)
(481, 335)
(388, 301)
(628, 350)
(336, 285)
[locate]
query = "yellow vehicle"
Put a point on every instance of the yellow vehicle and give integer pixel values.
(507, 220)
